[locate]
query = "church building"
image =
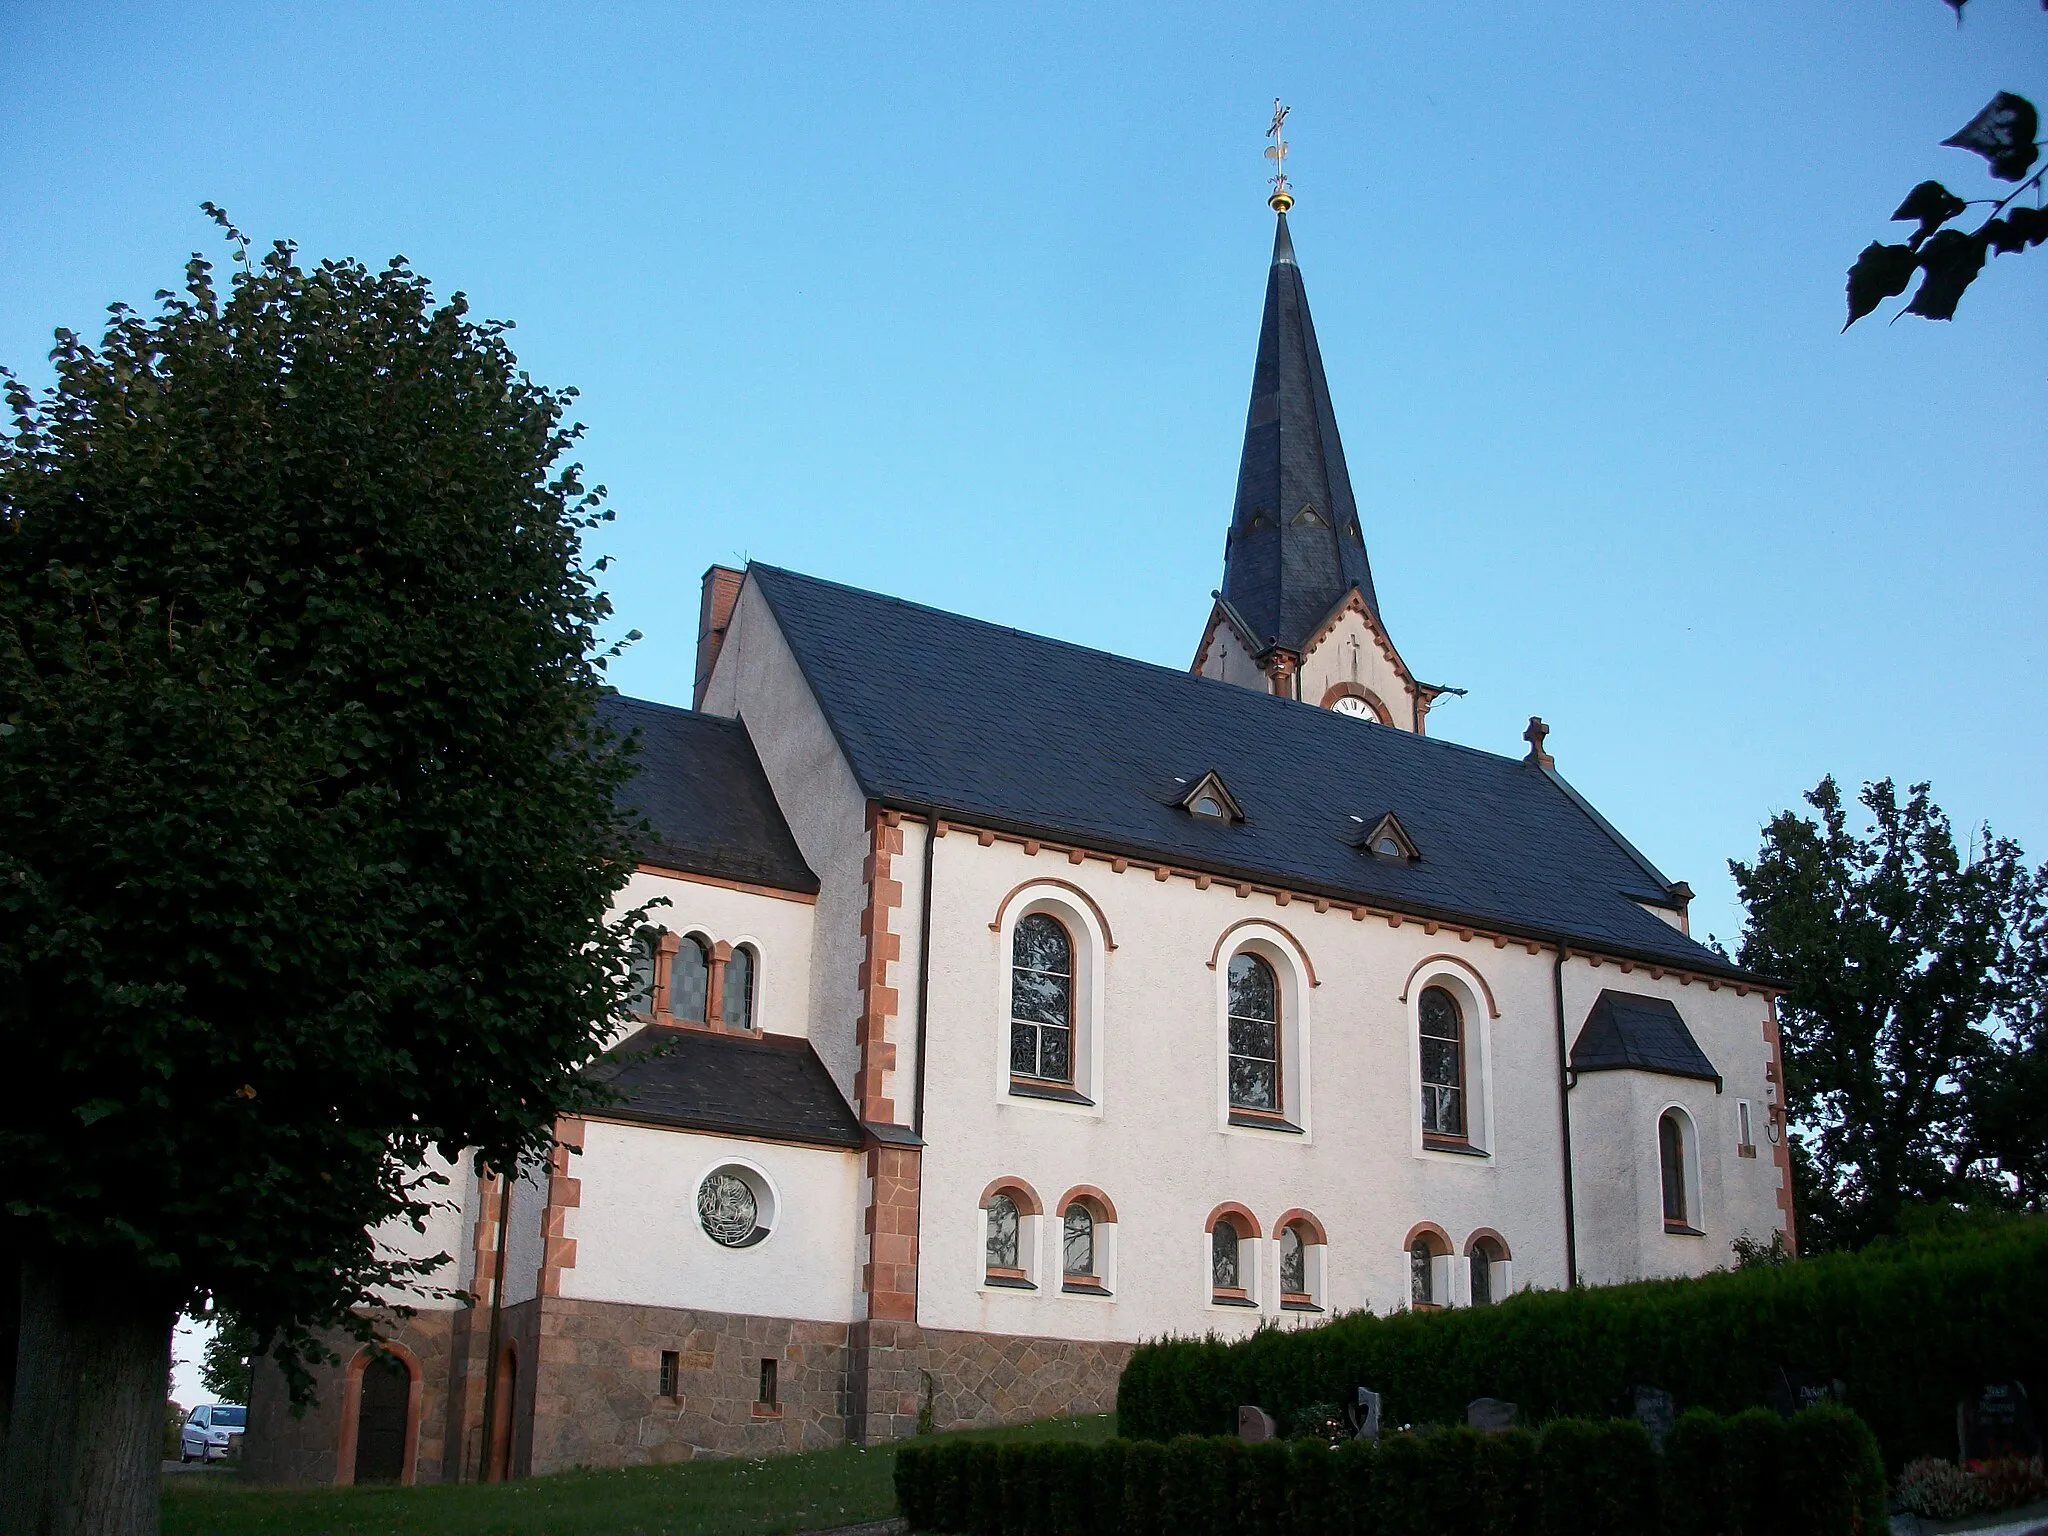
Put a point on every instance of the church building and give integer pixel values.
(1022, 1002)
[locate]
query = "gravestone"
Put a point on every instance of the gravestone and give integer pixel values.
(1656, 1411)
(1793, 1390)
(1997, 1422)
(1490, 1415)
(1362, 1417)
(1255, 1424)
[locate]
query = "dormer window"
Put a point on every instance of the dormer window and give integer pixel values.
(1387, 839)
(1309, 517)
(1210, 800)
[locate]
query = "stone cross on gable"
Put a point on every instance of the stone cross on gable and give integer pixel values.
(1534, 736)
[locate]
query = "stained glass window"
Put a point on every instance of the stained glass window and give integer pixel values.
(689, 979)
(642, 1000)
(1042, 1000)
(1443, 1064)
(727, 1207)
(1293, 1262)
(1420, 1281)
(1482, 1274)
(1077, 1244)
(1254, 1034)
(1002, 1233)
(1223, 1242)
(738, 1010)
(1671, 1153)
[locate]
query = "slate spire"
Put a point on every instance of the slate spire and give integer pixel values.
(1295, 546)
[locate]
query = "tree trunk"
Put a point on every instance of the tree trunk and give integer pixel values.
(89, 1391)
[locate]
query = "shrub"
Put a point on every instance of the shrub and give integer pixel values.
(1596, 1479)
(1909, 1328)
(1832, 1476)
(1144, 1479)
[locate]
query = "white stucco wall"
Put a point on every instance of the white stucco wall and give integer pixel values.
(1351, 653)
(1228, 661)
(443, 1232)
(638, 1239)
(757, 679)
(777, 928)
(1157, 1141)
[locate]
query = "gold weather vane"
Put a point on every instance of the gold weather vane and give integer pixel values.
(1283, 195)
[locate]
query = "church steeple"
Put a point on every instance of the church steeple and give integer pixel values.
(1295, 546)
(1297, 614)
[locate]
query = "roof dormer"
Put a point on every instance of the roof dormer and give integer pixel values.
(1210, 799)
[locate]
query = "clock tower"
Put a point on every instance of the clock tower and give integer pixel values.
(1297, 614)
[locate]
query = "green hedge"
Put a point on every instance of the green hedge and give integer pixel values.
(1909, 1329)
(1817, 1474)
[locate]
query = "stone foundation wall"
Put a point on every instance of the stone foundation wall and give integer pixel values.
(974, 1380)
(279, 1448)
(597, 1401)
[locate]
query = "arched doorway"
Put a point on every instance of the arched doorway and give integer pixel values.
(501, 1416)
(383, 1405)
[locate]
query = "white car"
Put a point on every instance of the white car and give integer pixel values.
(210, 1429)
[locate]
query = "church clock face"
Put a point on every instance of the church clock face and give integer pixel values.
(1350, 704)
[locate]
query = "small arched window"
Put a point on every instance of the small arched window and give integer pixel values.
(1077, 1243)
(1254, 1035)
(1003, 1225)
(1225, 1272)
(1443, 1064)
(689, 980)
(1042, 1000)
(1293, 1264)
(641, 982)
(1671, 1157)
(1424, 1289)
(1485, 1254)
(738, 1004)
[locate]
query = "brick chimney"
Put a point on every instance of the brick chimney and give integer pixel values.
(721, 591)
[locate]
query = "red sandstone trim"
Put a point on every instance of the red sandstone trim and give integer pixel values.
(1306, 1221)
(1488, 1235)
(352, 1408)
(1088, 1196)
(1775, 1114)
(1439, 1239)
(1466, 969)
(1300, 951)
(1338, 691)
(1022, 1193)
(808, 898)
(558, 1249)
(1236, 1213)
(1108, 938)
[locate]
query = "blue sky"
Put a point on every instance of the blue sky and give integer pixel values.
(959, 303)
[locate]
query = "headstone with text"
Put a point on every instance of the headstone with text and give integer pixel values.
(1794, 1390)
(1363, 1415)
(1656, 1410)
(1490, 1415)
(1255, 1424)
(1996, 1422)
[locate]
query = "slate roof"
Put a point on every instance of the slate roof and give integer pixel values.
(1627, 1031)
(701, 788)
(772, 1086)
(999, 728)
(1281, 576)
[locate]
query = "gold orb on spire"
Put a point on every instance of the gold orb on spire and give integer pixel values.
(1283, 194)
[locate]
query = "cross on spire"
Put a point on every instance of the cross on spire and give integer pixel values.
(1534, 736)
(1283, 195)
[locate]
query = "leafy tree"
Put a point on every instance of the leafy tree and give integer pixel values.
(224, 1365)
(307, 831)
(1948, 260)
(1915, 974)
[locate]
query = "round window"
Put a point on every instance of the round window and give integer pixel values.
(730, 1205)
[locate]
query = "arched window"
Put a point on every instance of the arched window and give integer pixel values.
(1293, 1264)
(1429, 1279)
(738, 1003)
(1420, 1287)
(689, 980)
(1443, 1065)
(1225, 1273)
(1077, 1244)
(1042, 1000)
(1003, 1249)
(641, 998)
(1254, 1035)
(1485, 1255)
(1671, 1157)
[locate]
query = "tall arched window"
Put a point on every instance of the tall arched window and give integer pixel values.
(738, 1004)
(1671, 1155)
(1443, 1064)
(1293, 1264)
(1042, 1000)
(1420, 1289)
(1077, 1243)
(1225, 1273)
(1254, 1035)
(642, 982)
(1484, 1255)
(1003, 1225)
(689, 980)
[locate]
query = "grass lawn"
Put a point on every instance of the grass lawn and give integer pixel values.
(814, 1491)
